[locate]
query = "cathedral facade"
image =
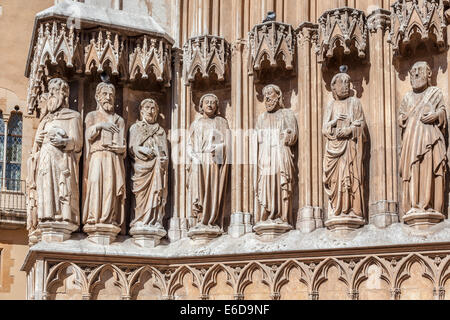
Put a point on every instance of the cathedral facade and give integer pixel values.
(217, 149)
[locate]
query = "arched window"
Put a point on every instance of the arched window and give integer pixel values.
(11, 151)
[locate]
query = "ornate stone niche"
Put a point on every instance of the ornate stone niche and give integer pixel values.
(274, 42)
(342, 31)
(74, 40)
(208, 55)
(416, 21)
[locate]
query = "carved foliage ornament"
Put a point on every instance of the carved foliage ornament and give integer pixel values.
(425, 17)
(207, 55)
(271, 40)
(84, 50)
(342, 27)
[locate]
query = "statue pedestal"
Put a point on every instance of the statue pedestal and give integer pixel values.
(103, 234)
(422, 220)
(204, 233)
(54, 231)
(147, 236)
(343, 225)
(270, 230)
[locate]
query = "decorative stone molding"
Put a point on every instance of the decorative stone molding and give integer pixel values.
(379, 19)
(343, 27)
(424, 17)
(104, 49)
(151, 55)
(48, 272)
(208, 55)
(307, 32)
(271, 40)
(128, 48)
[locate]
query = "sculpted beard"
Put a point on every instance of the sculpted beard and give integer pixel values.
(54, 102)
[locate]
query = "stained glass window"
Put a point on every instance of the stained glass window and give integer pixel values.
(13, 151)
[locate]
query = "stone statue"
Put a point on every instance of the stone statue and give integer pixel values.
(423, 160)
(277, 132)
(149, 150)
(53, 196)
(207, 151)
(344, 128)
(103, 211)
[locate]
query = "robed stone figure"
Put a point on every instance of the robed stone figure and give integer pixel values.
(277, 132)
(103, 211)
(53, 166)
(344, 129)
(149, 151)
(207, 150)
(423, 160)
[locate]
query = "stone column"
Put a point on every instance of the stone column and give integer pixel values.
(310, 216)
(383, 205)
(178, 222)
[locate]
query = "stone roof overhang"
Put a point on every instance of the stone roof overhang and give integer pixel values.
(90, 17)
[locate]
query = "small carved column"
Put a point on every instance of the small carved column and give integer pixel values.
(178, 222)
(310, 215)
(383, 202)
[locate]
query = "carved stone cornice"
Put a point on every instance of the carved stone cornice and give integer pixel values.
(379, 19)
(60, 48)
(307, 32)
(423, 17)
(343, 27)
(206, 54)
(271, 41)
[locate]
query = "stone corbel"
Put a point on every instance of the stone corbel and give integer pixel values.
(271, 41)
(427, 18)
(207, 55)
(343, 27)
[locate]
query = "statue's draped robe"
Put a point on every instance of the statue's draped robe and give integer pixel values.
(208, 177)
(423, 157)
(150, 176)
(55, 170)
(105, 182)
(275, 172)
(343, 159)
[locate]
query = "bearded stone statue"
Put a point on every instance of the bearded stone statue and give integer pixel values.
(277, 132)
(344, 130)
(149, 151)
(423, 160)
(52, 182)
(104, 212)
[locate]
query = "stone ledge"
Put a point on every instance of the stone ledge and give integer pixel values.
(321, 242)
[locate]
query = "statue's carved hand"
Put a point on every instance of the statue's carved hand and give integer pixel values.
(163, 160)
(108, 126)
(58, 141)
(147, 152)
(40, 137)
(430, 118)
(344, 133)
